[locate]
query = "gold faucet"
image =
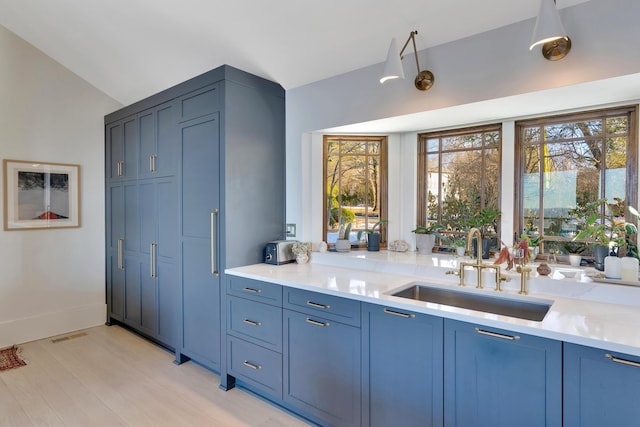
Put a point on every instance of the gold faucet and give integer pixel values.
(524, 275)
(479, 266)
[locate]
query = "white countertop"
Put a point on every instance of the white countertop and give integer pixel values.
(583, 312)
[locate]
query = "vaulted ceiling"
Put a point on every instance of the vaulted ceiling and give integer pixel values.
(131, 49)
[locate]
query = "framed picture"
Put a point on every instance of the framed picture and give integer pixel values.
(40, 195)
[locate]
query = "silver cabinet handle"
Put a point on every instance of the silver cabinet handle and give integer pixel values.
(623, 361)
(121, 168)
(153, 255)
(152, 163)
(214, 266)
(316, 305)
(497, 335)
(120, 260)
(251, 365)
(315, 322)
(253, 291)
(251, 322)
(399, 314)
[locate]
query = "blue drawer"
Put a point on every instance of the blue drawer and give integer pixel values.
(255, 322)
(256, 366)
(256, 290)
(328, 306)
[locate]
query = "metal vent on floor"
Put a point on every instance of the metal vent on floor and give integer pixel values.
(68, 337)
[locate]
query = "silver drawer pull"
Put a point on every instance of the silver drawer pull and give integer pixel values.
(251, 322)
(316, 305)
(315, 322)
(623, 361)
(251, 365)
(399, 314)
(253, 291)
(496, 335)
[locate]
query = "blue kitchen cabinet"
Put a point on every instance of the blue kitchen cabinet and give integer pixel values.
(322, 374)
(254, 335)
(201, 245)
(158, 152)
(601, 387)
(402, 368)
(497, 378)
(220, 138)
(122, 147)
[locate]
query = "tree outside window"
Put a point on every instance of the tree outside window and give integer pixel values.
(458, 177)
(355, 185)
(568, 162)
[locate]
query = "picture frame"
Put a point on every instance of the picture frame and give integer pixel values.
(39, 195)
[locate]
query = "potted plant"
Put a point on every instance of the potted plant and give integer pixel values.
(373, 236)
(574, 250)
(343, 243)
(485, 220)
(426, 237)
(301, 250)
(460, 245)
(608, 234)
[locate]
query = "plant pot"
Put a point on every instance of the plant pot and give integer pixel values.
(460, 250)
(575, 260)
(486, 248)
(599, 253)
(343, 245)
(425, 243)
(373, 242)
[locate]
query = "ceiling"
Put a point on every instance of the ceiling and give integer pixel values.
(130, 49)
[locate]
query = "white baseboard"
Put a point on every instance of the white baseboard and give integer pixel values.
(47, 325)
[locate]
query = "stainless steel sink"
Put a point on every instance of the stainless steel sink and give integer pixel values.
(527, 310)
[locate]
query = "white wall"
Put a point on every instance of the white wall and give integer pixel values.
(52, 281)
(488, 77)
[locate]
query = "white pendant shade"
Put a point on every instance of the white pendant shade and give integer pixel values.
(548, 25)
(393, 66)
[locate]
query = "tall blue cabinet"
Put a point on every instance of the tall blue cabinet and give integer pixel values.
(195, 183)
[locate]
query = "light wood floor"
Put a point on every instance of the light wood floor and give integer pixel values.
(111, 377)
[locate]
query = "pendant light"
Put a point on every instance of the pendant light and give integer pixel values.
(550, 33)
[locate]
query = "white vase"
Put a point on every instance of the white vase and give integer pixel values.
(460, 250)
(302, 259)
(343, 245)
(575, 260)
(425, 243)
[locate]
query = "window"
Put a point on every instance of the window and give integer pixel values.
(458, 176)
(355, 185)
(568, 161)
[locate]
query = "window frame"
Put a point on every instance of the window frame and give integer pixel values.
(631, 186)
(422, 159)
(383, 181)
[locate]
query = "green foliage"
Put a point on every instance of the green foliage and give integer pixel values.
(486, 219)
(429, 229)
(607, 229)
(347, 214)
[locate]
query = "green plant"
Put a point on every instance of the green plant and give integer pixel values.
(372, 229)
(485, 219)
(458, 241)
(432, 228)
(608, 230)
(345, 229)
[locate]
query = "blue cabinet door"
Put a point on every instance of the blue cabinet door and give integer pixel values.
(402, 368)
(322, 369)
(158, 142)
(122, 149)
(496, 378)
(201, 293)
(601, 388)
